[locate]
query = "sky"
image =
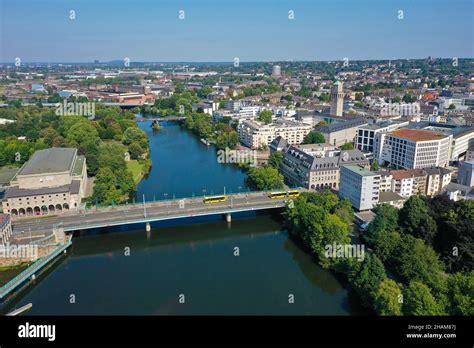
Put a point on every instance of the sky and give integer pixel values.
(221, 30)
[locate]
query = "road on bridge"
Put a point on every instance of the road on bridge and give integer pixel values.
(139, 213)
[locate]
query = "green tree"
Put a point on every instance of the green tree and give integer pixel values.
(418, 261)
(266, 178)
(461, 293)
(135, 150)
(415, 219)
(326, 199)
(366, 277)
(388, 297)
(375, 166)
(455, 237)
(105, 187)
(265, 116)
(227, 139)
(275, 159)
(418, 300)
(82, 133)
(135, 134)
(347, 146)
(314, 137)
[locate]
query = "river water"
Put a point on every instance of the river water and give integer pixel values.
(204, 266)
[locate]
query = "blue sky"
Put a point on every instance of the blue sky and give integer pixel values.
(219, 30)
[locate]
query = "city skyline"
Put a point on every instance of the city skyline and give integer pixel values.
(212, 31)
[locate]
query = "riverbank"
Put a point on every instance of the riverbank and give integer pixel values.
(197, 260)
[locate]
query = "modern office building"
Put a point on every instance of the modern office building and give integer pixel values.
(337, 100)
(52, 181)
(256, 134)
(466, 173)
(366, 134)
(462, 137)
(412, 148)
(360, 186)
(469, 153)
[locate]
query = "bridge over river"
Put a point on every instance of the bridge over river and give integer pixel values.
(27, 228)
(160, 119)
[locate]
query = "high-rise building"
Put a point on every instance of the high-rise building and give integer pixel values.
(466, 173)
(337, 99)
(276, 70)
(412, 148)
(360, 186)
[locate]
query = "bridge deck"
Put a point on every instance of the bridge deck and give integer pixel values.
(24, 276)
(151, 211)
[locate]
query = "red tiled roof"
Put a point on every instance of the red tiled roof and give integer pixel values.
(417, 134)
(406, 173)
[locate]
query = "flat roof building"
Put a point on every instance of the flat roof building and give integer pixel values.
(256, 134)
(51, 181)
(340, 133)
(413, 148)
(360, 186)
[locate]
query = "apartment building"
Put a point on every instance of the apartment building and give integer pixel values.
(256, 134)
(360, 186)
(409, 182)
(436, 180)
(317, 173)
(412, 148)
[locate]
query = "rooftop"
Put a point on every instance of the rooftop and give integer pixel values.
(16, 192)
(400, 174)
(7, 174)
(417, 134)
(53, 160)
(360, 170)
(334, 127)
(389, 196)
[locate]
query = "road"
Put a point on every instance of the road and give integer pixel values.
(138, 213)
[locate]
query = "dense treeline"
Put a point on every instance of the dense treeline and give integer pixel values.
(106, 141)
(405, 271)
(222, 133)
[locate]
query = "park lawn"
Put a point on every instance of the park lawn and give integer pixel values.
(136, 169)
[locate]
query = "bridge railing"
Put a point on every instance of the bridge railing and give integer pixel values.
(164, 199)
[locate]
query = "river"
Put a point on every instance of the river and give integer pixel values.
(204, 266)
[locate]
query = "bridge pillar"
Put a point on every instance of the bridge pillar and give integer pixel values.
(228, 217)
(148, 227)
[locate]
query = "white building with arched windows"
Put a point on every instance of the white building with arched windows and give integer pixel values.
(52, 181)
